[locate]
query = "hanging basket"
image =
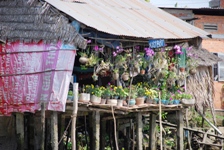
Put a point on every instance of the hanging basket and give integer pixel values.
(188, 102)
(115, 76)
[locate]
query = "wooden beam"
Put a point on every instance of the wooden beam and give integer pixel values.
(20, 130)
(152, 133)
(74, 115)
(96, 130)
(180, 130)
(139, 131)
(54, 130)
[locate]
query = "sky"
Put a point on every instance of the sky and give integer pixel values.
(181, 3)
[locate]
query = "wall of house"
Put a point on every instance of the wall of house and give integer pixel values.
(208, 19)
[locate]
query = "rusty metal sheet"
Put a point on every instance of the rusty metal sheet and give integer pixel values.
(134, 18)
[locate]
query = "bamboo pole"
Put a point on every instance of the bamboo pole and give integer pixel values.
(139, 131)
(42, 125)
(160, 123)
(74, 115)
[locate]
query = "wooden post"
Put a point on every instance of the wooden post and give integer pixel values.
(102, 134)
(96, 130)
(74, 115)
(62, 130)
(42, 126)
(152, 134)
(54, 130)
(139, 131)
(180, 131)
(20, 130)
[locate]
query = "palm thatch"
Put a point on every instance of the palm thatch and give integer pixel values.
(203, 57)
(35, 21)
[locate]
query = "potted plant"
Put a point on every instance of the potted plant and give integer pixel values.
(187, 99)
(115, 74)
(125, 76)
(112, 100)
(96, 95)
(84, 58)
(140, 95)
(133, 95)
(84, 96)
(152, 96)
(164, 97)
(70, 96)
(122, 95)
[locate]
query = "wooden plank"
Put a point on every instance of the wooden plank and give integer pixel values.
(180, 131)
(42, 126)
(62, 130)
(139, 131)
(54, 130)
(20, 130)
(152, 132)
(74, 115)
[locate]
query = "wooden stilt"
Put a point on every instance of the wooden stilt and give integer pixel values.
(74, 115)
(20, 130)
(42, 126)
(152, 134)
(96, 130)
(180, 131)
(54, 130)
(102, 135)
(139, 131)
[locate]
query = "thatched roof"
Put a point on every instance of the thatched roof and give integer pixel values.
(19, 20)
(203, 57)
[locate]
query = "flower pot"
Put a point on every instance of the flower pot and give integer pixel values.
(115, 76)
(69, 98)
(84, 97)
(142, 72)
(140, 100)
(103, 101)
(164, 102)
(182, 69)
(149, 101)
(112, 102)
(155, 101)
(125, 76)
(188, 102)
(192, 71)
(120, 102)
(176, 101)
(95, 100)
(83, 60)
(131, 102)
(95, 77)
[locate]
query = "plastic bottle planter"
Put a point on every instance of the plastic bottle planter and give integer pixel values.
(132, 102)
(95, 100)
(83, 60)
(84, 97)
(140, 100)
(188, 102)
(115, 76)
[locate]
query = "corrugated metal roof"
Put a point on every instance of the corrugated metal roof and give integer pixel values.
(134, 18)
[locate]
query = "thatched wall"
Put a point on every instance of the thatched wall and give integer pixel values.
(200, 85)
(20, 20)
